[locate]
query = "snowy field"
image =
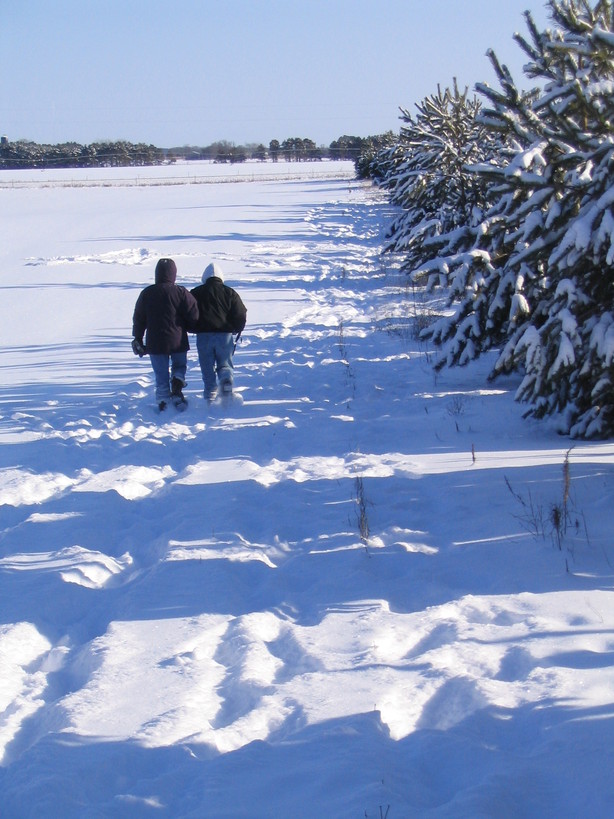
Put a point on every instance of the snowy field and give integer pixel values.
(177, 173)
(345, 597)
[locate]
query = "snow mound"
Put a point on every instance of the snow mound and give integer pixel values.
(87, 568)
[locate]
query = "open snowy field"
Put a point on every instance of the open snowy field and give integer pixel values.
(177, 173)
(345, 597)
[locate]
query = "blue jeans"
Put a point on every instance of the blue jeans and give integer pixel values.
(159, 364)
(215, 351)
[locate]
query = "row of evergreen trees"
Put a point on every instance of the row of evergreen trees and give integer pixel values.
(507, 209)
(292, 149)
(26, 154)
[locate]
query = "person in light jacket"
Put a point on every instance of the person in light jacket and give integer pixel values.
(162, 315)
(221, 314)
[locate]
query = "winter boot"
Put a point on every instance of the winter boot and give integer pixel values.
(177, 396)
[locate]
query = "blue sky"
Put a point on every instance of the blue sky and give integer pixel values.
(197, 71)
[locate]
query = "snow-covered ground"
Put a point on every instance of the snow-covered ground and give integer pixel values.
(344, 597)
(175, 173)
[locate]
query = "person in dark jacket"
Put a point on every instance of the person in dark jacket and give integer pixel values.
(163, 313)
(221, 313)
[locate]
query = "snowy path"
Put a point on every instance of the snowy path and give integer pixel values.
(320, 602)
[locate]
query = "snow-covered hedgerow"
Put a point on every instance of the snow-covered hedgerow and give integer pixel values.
(559, 229)
(427, 176)
(533, 277)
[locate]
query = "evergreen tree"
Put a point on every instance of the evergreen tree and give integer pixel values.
(540, 281)
(381, 165)
(427, 177)
(371, 162)
(259, 152)
(274, 149)
(346, 147)
(297, 149)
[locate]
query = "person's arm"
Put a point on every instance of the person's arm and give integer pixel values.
(190, 312)
(238, 313)
(139, 319)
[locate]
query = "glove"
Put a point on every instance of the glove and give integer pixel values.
(137, 348)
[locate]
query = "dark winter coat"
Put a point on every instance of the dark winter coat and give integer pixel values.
(164, 311)
(220, 309)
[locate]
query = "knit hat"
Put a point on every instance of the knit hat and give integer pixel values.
(166, 271)
(213, 269)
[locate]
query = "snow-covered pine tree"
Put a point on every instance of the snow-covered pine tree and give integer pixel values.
(371, 162)
(489, 296)
(544, 288)
(567, 347)
(426, 176)
(383, 164)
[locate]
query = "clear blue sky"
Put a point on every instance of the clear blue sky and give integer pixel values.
(195, 71)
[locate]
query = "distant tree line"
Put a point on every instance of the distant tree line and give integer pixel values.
(25, 154)
(292, 149)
